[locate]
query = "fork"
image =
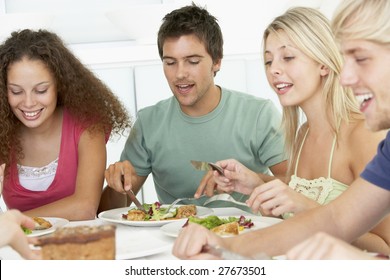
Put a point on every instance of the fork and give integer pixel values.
(224, 197)
(181, 199)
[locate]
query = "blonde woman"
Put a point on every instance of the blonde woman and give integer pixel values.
(303, 66)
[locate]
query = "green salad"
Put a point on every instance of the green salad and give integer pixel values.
(26, 230)
(154, 212)
(157, 213)
(211, 222)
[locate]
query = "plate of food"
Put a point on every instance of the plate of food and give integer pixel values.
(45, 225)
(224, 226)
(154, 215)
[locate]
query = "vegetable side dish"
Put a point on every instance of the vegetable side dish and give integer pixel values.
(155, 212)
(223, 226)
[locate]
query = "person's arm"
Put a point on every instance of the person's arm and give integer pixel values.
(279, 171)
(2, 168)
(350, 215)
(378, 239)
(12, 234)
(353, 213)
(271, 142)
(83, 203)
(322, 246)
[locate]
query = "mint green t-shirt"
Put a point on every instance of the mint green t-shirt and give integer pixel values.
(164, 140)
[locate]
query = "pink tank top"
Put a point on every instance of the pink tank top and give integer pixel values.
(64, 183)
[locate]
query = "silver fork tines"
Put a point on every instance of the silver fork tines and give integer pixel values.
(181, 199)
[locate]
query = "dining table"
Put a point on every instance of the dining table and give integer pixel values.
(137, 242)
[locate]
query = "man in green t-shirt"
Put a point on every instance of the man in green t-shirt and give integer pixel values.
(201, 121)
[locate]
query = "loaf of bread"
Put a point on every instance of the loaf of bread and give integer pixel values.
(79, 243)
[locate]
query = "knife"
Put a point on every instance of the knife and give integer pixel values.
(206, 166)
(134, 199)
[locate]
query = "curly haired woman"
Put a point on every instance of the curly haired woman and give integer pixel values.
(56, 118)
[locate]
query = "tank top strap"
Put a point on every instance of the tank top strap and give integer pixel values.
(299, 152)
(331, 156)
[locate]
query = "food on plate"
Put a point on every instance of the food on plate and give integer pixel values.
(41, 223)
(26, 230)
(186, 211)
(222, 226)
(79, 243)
(155, 212)
(227, 229)
(136, 215)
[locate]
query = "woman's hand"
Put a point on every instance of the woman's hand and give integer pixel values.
(236, 178)
(276, 198)
(190, 242)
(12, 234)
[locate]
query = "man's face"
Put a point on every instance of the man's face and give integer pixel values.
(367, 72)
(189, 70)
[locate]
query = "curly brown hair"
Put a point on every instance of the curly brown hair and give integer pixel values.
(83, 95)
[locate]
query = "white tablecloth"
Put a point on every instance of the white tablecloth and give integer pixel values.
(148, 243)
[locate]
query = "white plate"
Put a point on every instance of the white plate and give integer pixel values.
(137, 244)
(173, 229)
(115, 216)
(55, 222)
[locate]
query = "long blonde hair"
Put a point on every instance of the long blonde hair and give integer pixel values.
(310, 31)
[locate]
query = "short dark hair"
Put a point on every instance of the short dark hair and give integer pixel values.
(194, 20)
